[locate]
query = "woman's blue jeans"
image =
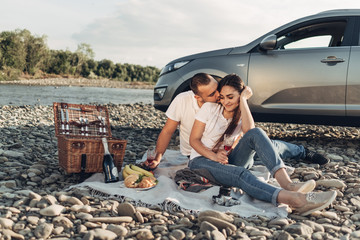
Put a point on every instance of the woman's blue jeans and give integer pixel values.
(236, 174)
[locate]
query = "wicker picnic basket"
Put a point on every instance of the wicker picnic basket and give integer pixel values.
(79, 129)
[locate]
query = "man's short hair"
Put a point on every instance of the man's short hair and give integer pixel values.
(199, 79)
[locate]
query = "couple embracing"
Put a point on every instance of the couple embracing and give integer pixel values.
(213, 110)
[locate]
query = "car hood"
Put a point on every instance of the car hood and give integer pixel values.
(213, 53)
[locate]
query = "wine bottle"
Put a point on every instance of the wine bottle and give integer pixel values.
(110, 170)
(86, 127)
(82, 122)
(62, 122)
(67, 122)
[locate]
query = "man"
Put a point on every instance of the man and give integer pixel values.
(182, 110)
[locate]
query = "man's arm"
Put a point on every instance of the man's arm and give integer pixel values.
(164, 140)
(195, 142)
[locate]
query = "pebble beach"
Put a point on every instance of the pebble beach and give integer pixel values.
(35, 202)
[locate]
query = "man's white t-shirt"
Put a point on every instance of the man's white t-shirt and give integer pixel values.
(183, 110)
(212, 115)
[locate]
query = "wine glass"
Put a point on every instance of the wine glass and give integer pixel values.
(150, 155)
(228, 142)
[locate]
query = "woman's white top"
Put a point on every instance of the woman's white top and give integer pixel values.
(212, 115)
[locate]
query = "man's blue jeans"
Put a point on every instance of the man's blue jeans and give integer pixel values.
(288, 150)
(236, 174)
(284, 149)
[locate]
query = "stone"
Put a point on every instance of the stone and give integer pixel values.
(186, 222)
(81, 208)
(19, 226)
(315, 226)
(14, 210)
(159, 228)
(92, 225)
(331, 227)
(58, 230)
(342, 208)
(355, 217)
(139, 217)
(299, 229)
(34, 171)
(331, 183)
(346, 229)
(43, 230)
(217, 235)
(63, 222)
(13, 154)
(219, 223)
(206, 226)
(113, 220)
(6, 223)
(147, 211)
(144, 234)
(279, 222)
(317, 236)
(7, 192)
(52, 211)
(50, 199)
(32, 220)
(119, 230)
(8, 184)
(83, 216)
(35, 196)
(127, 209)
(256, 233)
(355, 234)
(330, 215)
(100, 234)
(241, 235)
(335, 157)
(217, 214)
(70, 200)
(283, 236)
(310, 176)
(177, 234)
(9, 234)
(355, 202)
(82, 229)
(26, 192)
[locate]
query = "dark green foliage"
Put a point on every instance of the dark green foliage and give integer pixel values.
(23, 53)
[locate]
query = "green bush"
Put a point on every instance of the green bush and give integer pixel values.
(8, 73)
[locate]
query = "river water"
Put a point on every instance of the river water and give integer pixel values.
(18, 95)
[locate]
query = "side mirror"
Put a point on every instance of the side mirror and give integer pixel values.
(269, 42)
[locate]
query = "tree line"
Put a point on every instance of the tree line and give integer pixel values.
(23, 54)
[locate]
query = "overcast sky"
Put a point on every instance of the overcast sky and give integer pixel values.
(154, 32)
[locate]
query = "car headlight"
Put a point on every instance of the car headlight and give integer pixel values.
(159, 93)
(173, 66)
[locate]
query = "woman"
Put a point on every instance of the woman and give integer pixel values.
(233, 117)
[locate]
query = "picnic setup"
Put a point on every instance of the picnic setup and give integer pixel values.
(81, 130)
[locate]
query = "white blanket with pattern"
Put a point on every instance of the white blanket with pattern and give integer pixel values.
(169, 197)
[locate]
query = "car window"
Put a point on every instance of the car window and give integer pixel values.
(326, 34)
(311, 42)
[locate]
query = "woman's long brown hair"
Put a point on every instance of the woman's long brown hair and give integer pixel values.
(234, 81)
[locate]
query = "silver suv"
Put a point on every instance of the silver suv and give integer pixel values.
(307, 71)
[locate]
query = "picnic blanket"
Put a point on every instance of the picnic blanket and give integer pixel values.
(169, 197)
